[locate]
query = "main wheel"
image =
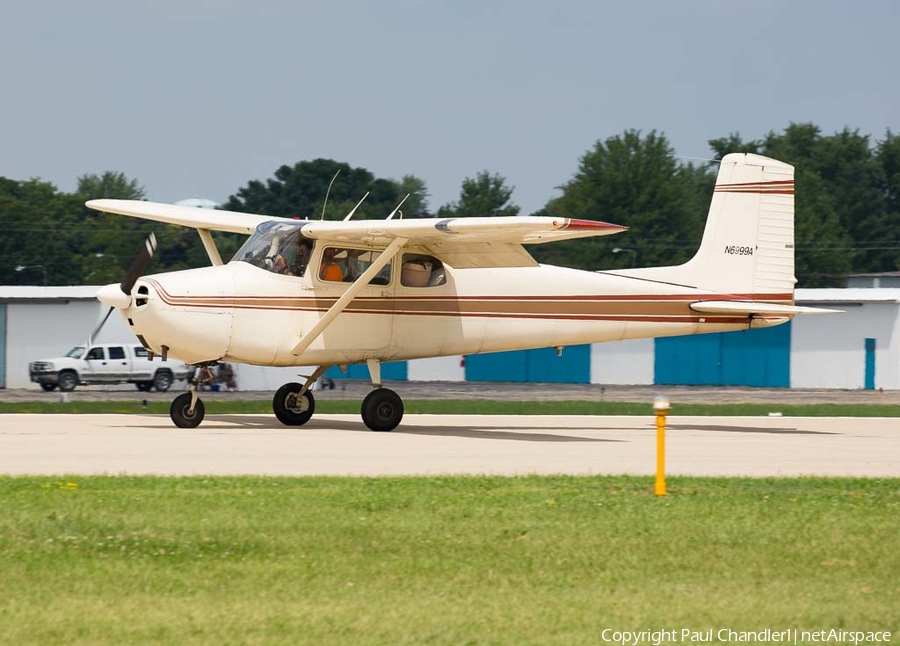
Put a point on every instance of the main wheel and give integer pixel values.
(162, 380)
(180, 413)
(290, 408)
(47, 387)
(67, 380)
(382, 410)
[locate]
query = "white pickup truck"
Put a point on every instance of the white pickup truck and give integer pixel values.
(107, 363)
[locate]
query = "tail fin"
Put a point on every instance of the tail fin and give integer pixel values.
(748, 242)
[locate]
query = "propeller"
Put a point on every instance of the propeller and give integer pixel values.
(119, 296)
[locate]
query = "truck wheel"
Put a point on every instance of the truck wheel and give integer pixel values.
(67, 380)
(162, 380)
(47, 386)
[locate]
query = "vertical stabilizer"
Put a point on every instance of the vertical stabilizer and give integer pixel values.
(748, 242)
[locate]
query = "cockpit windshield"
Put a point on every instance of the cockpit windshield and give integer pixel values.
(278, 247)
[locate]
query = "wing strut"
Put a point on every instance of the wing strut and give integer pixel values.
(386, 256)
(210, 245)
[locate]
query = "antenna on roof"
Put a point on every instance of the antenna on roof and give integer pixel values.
(350, 215)
(394, 212)
(325, 203)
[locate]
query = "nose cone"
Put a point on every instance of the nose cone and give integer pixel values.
(113, 296)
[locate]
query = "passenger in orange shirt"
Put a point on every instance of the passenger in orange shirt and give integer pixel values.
(330, 269)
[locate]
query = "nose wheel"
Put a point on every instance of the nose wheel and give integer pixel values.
(184, 414)
(187, 410)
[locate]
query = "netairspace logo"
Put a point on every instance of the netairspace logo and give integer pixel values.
(767, 635)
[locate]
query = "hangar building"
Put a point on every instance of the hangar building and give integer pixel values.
(853, 350)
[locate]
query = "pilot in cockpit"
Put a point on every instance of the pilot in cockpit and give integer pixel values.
(301, 259)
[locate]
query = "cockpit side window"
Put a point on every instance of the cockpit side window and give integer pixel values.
(278, 247)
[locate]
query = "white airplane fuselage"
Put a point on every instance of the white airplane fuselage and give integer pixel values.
(238, 312)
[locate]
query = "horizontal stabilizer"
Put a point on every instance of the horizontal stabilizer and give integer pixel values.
(751, 307)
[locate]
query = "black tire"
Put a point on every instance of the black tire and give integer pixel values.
(162, 380)
(47, 387)
(144, 386)
(67, 380)
(290, 409)
(382, 410)
(179, 411)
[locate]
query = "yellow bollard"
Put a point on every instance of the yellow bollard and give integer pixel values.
(661, 407)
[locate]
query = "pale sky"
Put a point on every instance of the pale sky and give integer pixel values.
(195, 98)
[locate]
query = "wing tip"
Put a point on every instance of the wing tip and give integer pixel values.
(591, 225)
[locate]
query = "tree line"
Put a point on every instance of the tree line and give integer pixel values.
(847, 208)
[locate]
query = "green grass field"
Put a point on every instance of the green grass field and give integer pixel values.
(466, 560)
(470, 407)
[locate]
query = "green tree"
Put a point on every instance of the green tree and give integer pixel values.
(887, 154)
(300, 191)
(110, 185)
(485, 194)
(43, 234)
(416, 205)
(635, 181)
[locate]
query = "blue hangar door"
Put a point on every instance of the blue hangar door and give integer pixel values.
(392, 371)
(540, 366)
(760, 358)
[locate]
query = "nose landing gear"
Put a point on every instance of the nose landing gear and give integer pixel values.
(187, 410)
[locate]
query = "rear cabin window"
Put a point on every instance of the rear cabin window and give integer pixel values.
(140, 351)
(420, 270)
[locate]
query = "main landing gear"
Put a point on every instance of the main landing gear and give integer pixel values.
(294, 404)
(382, 409)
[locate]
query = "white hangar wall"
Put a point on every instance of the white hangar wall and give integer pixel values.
(622, 362)
(828, 350)
(44, 322)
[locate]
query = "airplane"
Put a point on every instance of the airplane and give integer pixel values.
(319, 293)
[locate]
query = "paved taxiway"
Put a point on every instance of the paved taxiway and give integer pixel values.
(448, 444)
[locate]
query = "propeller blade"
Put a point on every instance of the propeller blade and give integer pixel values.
(99, 327)
(139, 265)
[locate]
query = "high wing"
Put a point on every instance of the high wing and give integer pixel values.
(461, 242)
(498, 230)
(186, 216)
